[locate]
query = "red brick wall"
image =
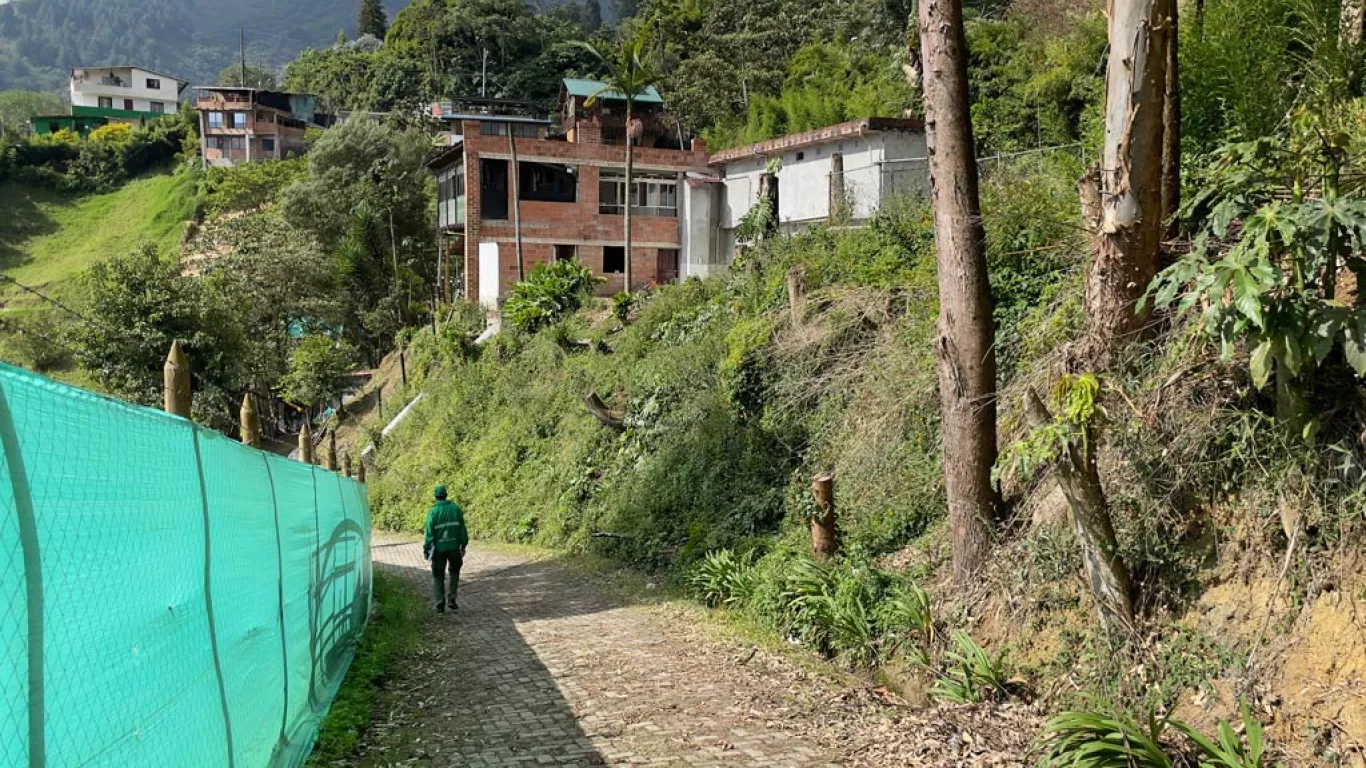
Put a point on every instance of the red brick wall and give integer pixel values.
(579, 223)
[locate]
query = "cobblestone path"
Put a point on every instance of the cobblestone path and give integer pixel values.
(540, 668)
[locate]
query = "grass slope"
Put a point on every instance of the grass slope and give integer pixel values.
(48, 239)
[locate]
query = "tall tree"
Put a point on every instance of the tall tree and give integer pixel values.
(963, 346)
(1131, 177)
(628, 77)
(372, 20)
(592, 15)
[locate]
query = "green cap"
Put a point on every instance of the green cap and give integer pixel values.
(440, 492)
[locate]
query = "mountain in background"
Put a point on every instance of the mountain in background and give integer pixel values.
(41, 40)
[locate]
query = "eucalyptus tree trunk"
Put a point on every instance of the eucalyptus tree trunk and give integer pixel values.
(1171, 131)
(514, 171)
(963, 345)
(1131, 225)
(1352, 23)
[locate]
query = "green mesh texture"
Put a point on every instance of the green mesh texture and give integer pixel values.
(170, 596)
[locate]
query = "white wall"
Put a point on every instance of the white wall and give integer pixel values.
(804, 180)
(87, 92)
(701, 209)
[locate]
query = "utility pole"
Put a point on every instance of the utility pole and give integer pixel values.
(242, 49)
(484, 76)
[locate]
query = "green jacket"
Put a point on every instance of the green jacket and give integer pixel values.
(446, 527)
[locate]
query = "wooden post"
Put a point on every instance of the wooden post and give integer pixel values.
(824, 538)
(839, 204)
(796, 292)
(403, 366)
(346, 464)
(251, 425)
(306, 443)
(379, 398)
(176, 377)
(360, 471)
(330, 461)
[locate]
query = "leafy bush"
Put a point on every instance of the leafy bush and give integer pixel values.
(1090, 740)
(722, 579)
(549, 293)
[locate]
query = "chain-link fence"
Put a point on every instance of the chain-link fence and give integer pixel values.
(171, 597)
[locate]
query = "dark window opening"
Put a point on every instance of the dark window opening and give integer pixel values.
(267, 145)
(613, 260)
(53, 127)
(801, 156)
(128, 104)
(565, 252)
(547, 183)
(493, 189)
(153, 84)
(106, 102)
(158, 108)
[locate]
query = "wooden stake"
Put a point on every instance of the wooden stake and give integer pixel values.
(176, 376)
(330, 462)
(306, 443)
(824, 537)
(251, 425)
(346, 464)
(360, 472)
(403, 366)
(796, 293)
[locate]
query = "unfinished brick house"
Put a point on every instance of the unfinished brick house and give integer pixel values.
(572, 192)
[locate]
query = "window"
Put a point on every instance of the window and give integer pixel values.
(547, 183)
(153, 84)
(520, 130)
(106, 102)
(613, 260)
(651, 196)
(493, 189)
(215, 119)
(565, 253)
(801, 156)
(239, 120)
(128, 104)
(158, 108)
(268, 145)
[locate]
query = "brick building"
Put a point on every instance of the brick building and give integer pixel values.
(572, 193)
(241, 125)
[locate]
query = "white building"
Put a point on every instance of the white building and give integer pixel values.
(124, 93)
(870, 159)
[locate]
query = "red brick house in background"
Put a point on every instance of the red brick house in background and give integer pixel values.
(572, 190)
(242, 125)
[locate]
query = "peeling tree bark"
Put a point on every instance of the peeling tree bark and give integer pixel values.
(1352, 23)
(824, 534)
(1131, 225)
(963, 345)
(1079, 479)
(1171, 132)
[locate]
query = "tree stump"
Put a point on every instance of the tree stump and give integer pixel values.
(824, 537)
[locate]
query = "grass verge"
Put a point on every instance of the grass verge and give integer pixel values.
(393, 632)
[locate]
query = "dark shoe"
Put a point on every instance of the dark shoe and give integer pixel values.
(440, 609)
(452, 605)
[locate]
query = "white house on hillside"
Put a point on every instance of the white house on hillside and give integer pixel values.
(123, 93)
(870, 159)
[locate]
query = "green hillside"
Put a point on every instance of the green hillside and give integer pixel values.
(47, 239)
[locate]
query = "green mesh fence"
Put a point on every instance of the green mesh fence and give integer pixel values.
(171, 597)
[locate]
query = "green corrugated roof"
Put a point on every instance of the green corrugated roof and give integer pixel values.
(586, 88)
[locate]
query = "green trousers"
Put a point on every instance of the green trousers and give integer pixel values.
(442, 562)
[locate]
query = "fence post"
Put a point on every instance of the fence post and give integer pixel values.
(824, 538)
(306, 443)
(360, 471)
(403, 365)
(330, 461)
(251, 425)
(176, 381)
(346, 464)
(796, 293)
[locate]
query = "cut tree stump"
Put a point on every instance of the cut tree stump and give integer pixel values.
(824, 537)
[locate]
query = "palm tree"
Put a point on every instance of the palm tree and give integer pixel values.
(628, 76)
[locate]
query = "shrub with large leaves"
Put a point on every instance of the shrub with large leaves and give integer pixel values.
(549, 293)
(1277, 226)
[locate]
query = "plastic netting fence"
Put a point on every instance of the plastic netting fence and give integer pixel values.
(171, 597)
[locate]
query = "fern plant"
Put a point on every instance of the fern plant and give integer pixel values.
(723, 579)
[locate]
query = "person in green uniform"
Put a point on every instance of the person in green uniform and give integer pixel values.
(445, 545)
